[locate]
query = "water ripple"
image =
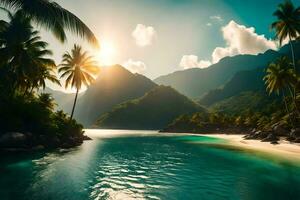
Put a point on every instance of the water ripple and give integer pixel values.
(148, 167)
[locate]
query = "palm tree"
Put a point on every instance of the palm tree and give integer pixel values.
(43, 74)
(52, 16)
(24, 55)
(79, 69)
(287, 24)
(280, 76)
(47, 101)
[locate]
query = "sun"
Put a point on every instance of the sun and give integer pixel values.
(106, 54)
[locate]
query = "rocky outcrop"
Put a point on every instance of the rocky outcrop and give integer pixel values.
(17, 141)
(264, 136)
(280, 130)
(294, 135)
(256, 135)
(13, 139)
(271, 138)
(274, 135)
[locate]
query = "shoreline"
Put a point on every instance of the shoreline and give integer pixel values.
(284, 149)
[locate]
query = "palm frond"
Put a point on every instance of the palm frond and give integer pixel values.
(64, 68)
(66, 73)
(68, 80)
(53, 17)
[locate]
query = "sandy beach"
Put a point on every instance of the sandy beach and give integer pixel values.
(285, 149)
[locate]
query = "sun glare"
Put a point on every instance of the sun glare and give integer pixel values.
(106, 54)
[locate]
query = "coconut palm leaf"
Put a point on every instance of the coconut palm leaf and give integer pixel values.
(288, 21)
(53, 17)
(25, 55)
(79, 68)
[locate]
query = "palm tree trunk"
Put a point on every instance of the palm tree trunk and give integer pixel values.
(293, 53)
(295, 69)
(294, 101)
(13, 92)
(25, 91)
(74, 103)
(287, 108)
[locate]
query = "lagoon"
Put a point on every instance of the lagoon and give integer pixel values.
(119, 164)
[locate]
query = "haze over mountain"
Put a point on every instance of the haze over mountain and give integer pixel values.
(64, 101)
(196, 82)
(248, 101)
(114, 85)
(154, 110)
(242, 81)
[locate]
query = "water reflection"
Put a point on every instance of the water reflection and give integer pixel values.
(146, 165)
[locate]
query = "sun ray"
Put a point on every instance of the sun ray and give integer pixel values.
(106, 54)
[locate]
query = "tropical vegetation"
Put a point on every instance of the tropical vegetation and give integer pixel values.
(262, 116)
(268, 108)
(154, 110)
(25, 62)
(287, 25)
(51, 16)
(27, 115)
(114, 85)
(79, 69)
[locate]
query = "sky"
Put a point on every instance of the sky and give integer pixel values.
(158, 37)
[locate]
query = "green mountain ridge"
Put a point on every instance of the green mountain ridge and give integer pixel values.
(154, 110)
(195, 82)
(114, 85)
(226, 79)
(241, 82)
(64, 101)
(254, 101)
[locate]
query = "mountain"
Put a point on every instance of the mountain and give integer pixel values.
(154, 110)
(242, 81)
(63, 100)
(248, 101)
(114, 85)
(196, 82)
(236, 114)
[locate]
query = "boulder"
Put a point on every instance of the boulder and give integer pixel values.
(86, 137)
(297, 140)
(280, 130)
(271, 138)
(256, 135)
(248, 137)
(38, 148)
(295, 133)
(261, 135)
(13, 139)
(274, 142)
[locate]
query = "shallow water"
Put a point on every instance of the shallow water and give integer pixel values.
(147, 165)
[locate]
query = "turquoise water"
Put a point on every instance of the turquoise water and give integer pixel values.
(146, 165)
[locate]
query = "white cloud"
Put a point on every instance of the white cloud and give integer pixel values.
(209, 24)
(144, 35)
(135, 66)
(241, 40)
(191, 61)
(216, 18)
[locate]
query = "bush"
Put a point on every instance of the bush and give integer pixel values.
(34, 115)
